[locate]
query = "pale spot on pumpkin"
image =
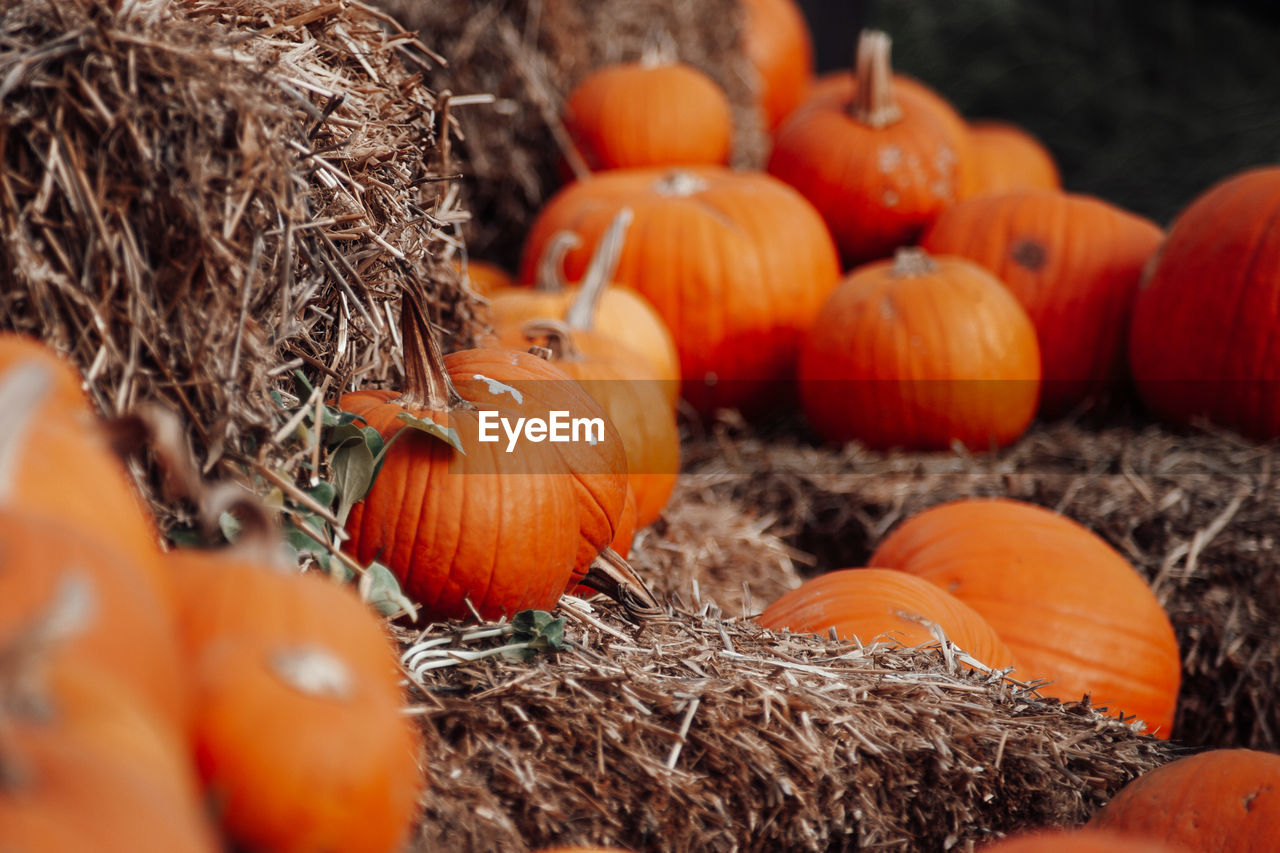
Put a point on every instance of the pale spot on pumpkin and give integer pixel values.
(314, 671)
(889, 159)
(496, 387)
(890, 198)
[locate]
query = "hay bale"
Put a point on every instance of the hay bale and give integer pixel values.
(197, 198)
(529, 54)
(1197, 511)
(701, 733)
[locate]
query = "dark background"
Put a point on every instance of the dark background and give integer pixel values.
(1143, 103)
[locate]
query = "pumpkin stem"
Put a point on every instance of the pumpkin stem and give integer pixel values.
(613, 575)
(427, 383)
(873, 102)
(600, 272)
(22, 390)
(550, 273)
(912, 262)
(558, 337)
(680, 183)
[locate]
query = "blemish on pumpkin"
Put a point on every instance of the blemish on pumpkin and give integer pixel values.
(890, 198)
(1248, 801)
(1029, 254)
(496, 387)
(889, 159)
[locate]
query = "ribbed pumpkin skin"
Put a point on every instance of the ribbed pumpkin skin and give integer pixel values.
(1069, 607)
(1073, 262)
(1007, 158)
(1203, 339)
(507, 530)
(633, 115)
(921, 360)
(876, 188)
(1220, 801)
(1079, 841)
(623, 315)
(776, 39)
(637, 406)
(868, 603)
(736, 263)
(294, 770)
(66, 469)
(132, 630)
(92, 770)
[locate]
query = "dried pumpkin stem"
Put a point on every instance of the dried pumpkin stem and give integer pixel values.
(912, 261)
(600, 271)
(611, 574)
(873, 102)
(427, 383)
(558, 337)
(550, 274)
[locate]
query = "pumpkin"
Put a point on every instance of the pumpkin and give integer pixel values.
(1203, 340)
(920, 352)
(878, 162)
(1006, 158)
(637, 114)
(874, 604)
(736, 263)
(626, 533)
(65, 392)
(1078, 841)
(133, 622)
(1074, 262)
(618, 314)
(1071, 609)
(62, 465)
(621, 381)
(777, 42)
(1219, 801)
(485, 278)
(476, 525)
(300, 737)
(85, 768)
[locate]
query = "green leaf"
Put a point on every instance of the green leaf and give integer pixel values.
(323, 492)
(539, 629)
(380, 588)
(301, 385)
(352, 467)
(448, 435)
(186, 537)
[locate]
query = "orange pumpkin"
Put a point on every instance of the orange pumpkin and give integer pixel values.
(62, 465)
(777, 42)
(42, 549)
(736, 263)
(1220, 801)
(920, 352)
(1007, 158)
(1078, 841)
(85, 768)
(638, 114)
(1069, 607)
(300, 737)
(485, 278)
(617, 313)
(875, 604)
(1074, 263)
(502, 531)
(1203, 338)
(621, 381)
(879, 162)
